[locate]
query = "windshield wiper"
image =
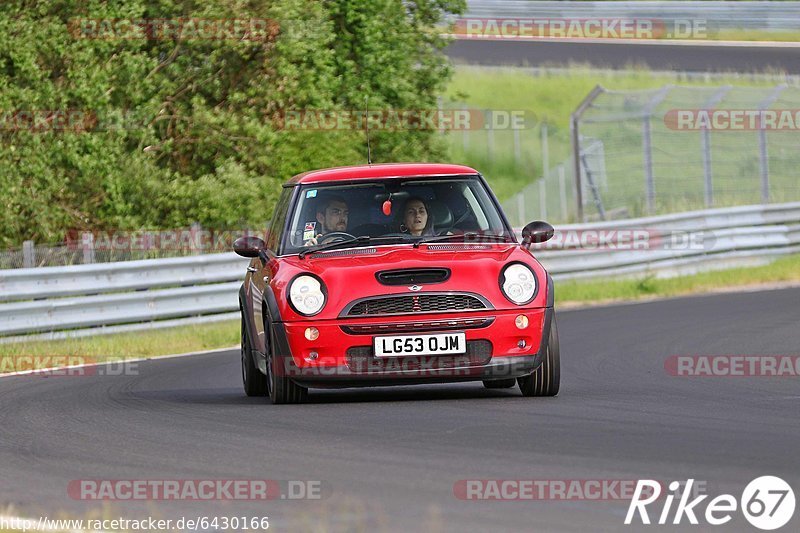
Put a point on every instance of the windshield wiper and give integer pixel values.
(477, 236)
(364, 239)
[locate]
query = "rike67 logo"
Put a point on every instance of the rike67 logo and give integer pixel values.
(767, 503)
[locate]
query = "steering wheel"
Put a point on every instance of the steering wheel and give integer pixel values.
(335, 236)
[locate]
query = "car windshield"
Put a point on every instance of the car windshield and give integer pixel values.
(393, 211)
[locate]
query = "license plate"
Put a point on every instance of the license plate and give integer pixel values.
(432, 344)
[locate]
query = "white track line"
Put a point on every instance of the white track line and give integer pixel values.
(112, 362)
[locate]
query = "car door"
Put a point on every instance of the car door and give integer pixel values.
(259, 271)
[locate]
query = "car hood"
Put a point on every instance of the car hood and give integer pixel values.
(350, 274)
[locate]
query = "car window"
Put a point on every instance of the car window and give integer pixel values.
(276, 227)
(401, 210)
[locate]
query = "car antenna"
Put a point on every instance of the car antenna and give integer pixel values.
(366, 129)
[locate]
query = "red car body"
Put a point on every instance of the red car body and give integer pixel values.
(392, 291)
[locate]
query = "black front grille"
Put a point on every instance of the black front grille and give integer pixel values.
(405, 327)
(361, 359)
(415, 303)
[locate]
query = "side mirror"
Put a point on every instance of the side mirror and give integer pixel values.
(249, 246)
(536, 232)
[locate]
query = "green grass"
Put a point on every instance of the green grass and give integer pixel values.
(786, 269)
(568, 293)
(741, 34)
(552, 95)
(136, 345)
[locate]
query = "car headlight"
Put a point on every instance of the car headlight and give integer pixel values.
(518, 283)
(307, 294)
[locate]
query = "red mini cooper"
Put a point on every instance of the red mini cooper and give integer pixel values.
(394, 274)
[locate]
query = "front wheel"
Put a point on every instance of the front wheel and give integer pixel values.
(281, 389)
(255, 383)
(545, 381)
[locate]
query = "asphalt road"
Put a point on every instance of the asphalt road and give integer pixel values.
(388, 458)
(683, 57)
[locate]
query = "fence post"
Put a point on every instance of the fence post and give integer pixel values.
(576, 145)
(28, 254)
(545, 153)
(647, 156)
(542, 200)
(87, 243)
(764, 160)
(705, 146)
(521, 208)
(194, 232)
(647, 147)
(763, 154)
(562, 192)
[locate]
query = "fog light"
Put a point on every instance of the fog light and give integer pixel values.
(521, 321)
(312, 334)
(521, 344)
(313, 356)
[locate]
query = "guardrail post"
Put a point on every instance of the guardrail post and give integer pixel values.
(87, 243)
(28, 254)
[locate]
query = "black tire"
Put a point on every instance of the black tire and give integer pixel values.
(255, 383)
(280, 388)
(546, 380)
(500, 383)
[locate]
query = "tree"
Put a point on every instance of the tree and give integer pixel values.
(170, 131)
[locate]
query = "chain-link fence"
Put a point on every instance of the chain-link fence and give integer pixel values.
(672, 149)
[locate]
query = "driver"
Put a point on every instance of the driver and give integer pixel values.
(332, 213)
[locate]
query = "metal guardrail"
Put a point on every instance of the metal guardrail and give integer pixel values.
(732, 236)
(777, 16)
(111, 297)
(51, 282)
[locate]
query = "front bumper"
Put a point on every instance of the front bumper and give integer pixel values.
(496, 349)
